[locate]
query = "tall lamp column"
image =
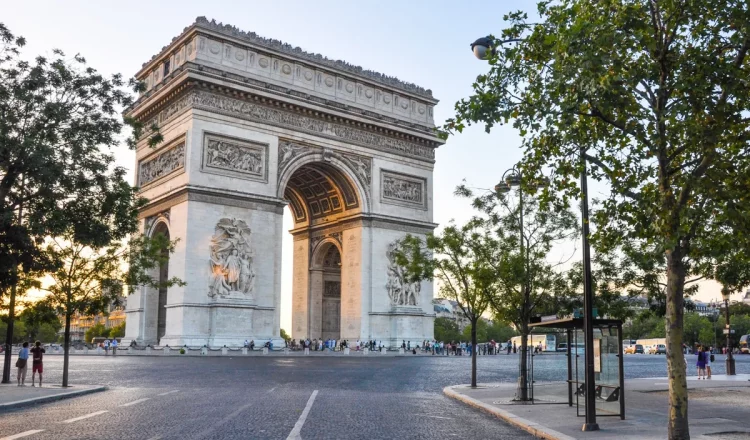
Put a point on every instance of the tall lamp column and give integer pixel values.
(730, 357)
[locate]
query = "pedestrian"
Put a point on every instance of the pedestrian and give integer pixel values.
(710, 358)
(509, 346)
(514, 348)
(106, 347)
(23, 358)
(701, 363)
(36, 362)
(114, 350)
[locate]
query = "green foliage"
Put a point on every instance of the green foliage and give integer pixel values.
(647, 324)
(117, 331)
(284, 335)
(446, 330)
(490, 331)
(19, 331)
(59, 120)
(96, 331)
(655, 95)
(526, 283)
(40, 322)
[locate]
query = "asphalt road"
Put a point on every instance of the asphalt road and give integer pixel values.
(275, 397)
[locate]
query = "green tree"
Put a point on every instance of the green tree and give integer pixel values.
(500, 331)
(59, 120)
(38, 316)
(446, 330)
(92, 274)
(117, 331)
(527, 283)
(284, 335)
(97, 330)
(457, 258)
(654, 95)
(481, 331)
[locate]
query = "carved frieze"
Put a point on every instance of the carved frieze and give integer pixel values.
(401, 292)
(403, 189)
(251, 111)
(163, 164)
(235, 157)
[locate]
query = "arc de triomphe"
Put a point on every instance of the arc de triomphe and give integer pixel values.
(251, 126)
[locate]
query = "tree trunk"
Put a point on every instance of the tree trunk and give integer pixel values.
(66, 347)
(678, 398)
(523, 376)
(474, 352)
(8, 358)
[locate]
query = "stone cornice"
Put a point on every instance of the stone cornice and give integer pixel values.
(270, 111)
(176, 80)
(369, 220)
(279, 47)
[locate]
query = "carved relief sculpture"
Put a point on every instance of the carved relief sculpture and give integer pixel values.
(163, 164)
(235, 156)
(403, 189)
(231, 259)
(400, 291)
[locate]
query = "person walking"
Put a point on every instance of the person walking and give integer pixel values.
(709, 358)
(36, 365)
(701, 363)
(21, 364)
(509, 347)
(114, 350)
(106, 347)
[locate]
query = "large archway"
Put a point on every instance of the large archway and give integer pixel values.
(322, 196)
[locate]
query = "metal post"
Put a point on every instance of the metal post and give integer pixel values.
(524, 363)
(588, 307)
(730, 357)
(570, 369)
(621, 371)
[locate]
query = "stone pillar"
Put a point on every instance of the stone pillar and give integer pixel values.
(301, 283)
(354, 284)
(316, 304)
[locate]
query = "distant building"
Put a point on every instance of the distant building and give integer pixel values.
(447, 308)
(746, 298)
(79, 323)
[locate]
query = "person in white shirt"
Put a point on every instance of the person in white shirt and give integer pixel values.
(114, 347)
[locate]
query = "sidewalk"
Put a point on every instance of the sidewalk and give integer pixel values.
(12, 396)
(718, 409)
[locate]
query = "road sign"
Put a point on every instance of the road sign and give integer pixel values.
(726, 331)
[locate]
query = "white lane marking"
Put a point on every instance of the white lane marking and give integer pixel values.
(295, 434)
(23, 434)
(135, 402)
(168, 392)
(93, 414)
(158, 437)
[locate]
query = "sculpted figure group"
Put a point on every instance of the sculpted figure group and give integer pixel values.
(231, 259)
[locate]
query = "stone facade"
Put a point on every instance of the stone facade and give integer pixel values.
(250, 126)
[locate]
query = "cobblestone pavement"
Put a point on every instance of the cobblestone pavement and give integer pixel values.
(357, 397)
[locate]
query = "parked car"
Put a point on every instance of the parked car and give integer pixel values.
(562, 347)
(633, 349)
(657, 349)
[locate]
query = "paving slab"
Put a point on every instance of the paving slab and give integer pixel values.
(12, 396)
(718, 409)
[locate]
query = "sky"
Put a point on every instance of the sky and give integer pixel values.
(424, 42)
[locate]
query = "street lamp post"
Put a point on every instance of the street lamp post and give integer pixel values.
(511, 178)
(730, 358)
(484, 48)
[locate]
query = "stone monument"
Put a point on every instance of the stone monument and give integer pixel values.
(252, 126)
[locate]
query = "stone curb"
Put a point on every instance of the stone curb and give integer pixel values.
(46, 399)
(532, 428)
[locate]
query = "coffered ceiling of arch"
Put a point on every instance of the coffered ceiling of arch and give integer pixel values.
(319, 190)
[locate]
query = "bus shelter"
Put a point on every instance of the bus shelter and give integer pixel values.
(608, 364)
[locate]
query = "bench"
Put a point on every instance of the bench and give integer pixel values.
(613, 396)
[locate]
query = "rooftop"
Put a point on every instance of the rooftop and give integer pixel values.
(280, 46)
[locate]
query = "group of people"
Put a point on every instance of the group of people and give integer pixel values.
(705, 357)
(331, 344)
(37, 365)
(107, 344)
